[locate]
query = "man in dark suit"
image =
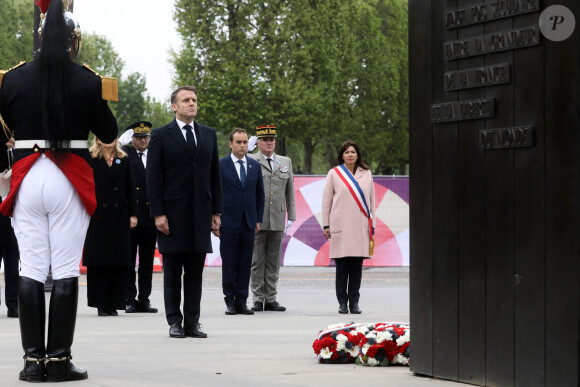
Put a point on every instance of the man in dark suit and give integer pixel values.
(10, 256)
(144, 236)
(185, 195)
(243, 189)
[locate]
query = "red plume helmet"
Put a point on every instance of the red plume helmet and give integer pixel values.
(42, 4)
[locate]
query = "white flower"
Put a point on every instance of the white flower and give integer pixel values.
(404, 338)
(362, 329)
(372, 362)
(353, 352)
(365, 348)
(341, 341)
(384, 335)
(325, 353)
(400, 359)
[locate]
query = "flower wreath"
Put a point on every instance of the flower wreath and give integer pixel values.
(378, 344)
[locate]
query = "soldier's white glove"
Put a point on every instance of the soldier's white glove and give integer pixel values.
(252, 143)
(126, 137)
(288, 225)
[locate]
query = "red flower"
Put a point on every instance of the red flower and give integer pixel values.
(404, 347)
(391, 349)
(324, 342)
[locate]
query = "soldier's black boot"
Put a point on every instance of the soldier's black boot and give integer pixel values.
(32, 317)
(62, 317)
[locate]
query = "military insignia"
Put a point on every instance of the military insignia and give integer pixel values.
(283, 169)
(109, 85)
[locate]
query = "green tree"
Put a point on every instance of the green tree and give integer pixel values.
(16, 32)
(157, 112)
(132, 103)
(98, 52)
(323, 71)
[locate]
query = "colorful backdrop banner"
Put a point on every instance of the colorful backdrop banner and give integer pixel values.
(305, 245)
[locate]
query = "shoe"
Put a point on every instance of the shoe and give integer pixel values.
(143, 307)
(103, 312)
(243, 309)
(61, 370)
(176, 330)
(131, 307)
(195, 331)
(230, 310)
(12, 313)
(274, 306)
(354, 309)
(258, 306)
(113, 312)
(33, 370)
(342, 309)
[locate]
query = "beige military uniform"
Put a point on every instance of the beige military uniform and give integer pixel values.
(279, 192)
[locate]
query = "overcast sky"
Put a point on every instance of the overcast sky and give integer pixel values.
(141, 31)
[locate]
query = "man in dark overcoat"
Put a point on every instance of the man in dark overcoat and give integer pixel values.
(144, 236)
(185, 195)
(9, 256)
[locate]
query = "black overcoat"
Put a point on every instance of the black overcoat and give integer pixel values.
(140, 179)
(184, 186)
(108, 239)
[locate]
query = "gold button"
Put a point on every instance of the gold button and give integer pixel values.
(271, 193)
(137, 188)
(271, 184)
(36, 149)
(270, 202)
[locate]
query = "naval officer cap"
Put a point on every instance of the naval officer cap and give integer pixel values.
(266, 131)
(140, 128)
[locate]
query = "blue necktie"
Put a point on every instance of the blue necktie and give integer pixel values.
(189, 138)
(242, 172)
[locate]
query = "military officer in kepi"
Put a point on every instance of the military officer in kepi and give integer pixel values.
(279, 191)
(144, 236)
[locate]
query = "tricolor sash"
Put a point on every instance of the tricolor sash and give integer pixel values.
(359, 198)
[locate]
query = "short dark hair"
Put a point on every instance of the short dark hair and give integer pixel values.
(359, 161)
(237, 130)
(174, 94)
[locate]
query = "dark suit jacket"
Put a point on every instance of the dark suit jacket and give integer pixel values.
(108, 240)
(239, 201)
(140, 179)
(184, 186)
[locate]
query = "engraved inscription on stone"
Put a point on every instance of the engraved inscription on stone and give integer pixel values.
(463, 110)
(490, 10)
(477, 77)
(490, 43)
(506, 138)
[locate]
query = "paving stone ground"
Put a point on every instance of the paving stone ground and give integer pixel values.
(266, 349)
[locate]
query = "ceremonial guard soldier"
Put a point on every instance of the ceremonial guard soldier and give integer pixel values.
(51, 105)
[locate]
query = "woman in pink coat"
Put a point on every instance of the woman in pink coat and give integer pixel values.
(348, 209)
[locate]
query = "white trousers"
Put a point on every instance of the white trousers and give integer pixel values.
(50, 223)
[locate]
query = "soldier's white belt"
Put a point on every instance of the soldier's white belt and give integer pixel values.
(44, 144)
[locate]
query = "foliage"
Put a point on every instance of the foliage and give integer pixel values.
(16, 32)
(134, 105)
(98, 52)
(322, 71)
